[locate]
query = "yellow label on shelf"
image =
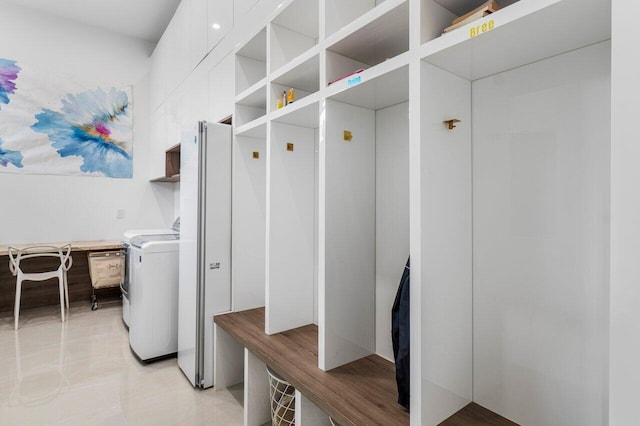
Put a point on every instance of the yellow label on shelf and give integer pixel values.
(480, 29)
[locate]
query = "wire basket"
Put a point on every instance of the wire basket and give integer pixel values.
(283, 400)
(332, 422)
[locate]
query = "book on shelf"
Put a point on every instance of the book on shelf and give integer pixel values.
(345, 76)
(480, 12)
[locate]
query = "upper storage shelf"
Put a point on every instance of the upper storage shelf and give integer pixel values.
(525, 32)
(436, 15)
(340, 13)
(251, 104)
(251, 62)
(172, 165)
(304, 78)
(378, 35)
(294, 31)
(377, 90)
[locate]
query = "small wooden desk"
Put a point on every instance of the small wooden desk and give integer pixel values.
(45, 293)
(75, 245)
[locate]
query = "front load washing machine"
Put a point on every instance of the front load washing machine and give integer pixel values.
(153, 295)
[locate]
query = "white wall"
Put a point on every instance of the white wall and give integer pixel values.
(625, 218)
(541, 240)
(62, 208)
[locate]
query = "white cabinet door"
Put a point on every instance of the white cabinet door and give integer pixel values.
(220, 20)
(199, 31)
(177, 40)
(221, 85)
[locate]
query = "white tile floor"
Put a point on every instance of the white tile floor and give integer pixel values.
(82, 372)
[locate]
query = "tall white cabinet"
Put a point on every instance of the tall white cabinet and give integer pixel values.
(505, 215)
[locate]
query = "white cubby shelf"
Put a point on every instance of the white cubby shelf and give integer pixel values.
(360, 171)
(293, 31)
(251, 61)
(522, 33)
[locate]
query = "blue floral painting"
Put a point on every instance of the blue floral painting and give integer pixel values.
(8, 74)
(10, 157)
(94, 125)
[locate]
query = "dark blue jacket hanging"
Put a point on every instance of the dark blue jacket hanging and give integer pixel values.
(400, 337)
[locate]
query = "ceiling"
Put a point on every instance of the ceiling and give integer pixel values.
(142, 19)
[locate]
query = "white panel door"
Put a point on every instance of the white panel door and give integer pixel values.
(188, 290)
(217, 236)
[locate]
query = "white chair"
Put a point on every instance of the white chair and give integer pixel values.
(63, 254)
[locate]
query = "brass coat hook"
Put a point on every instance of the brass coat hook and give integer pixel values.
(451, 124)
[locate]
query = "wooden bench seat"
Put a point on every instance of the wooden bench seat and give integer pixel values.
(361, 393)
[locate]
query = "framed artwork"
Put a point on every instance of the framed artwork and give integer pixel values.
(51, 124)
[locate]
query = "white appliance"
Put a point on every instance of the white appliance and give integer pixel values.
(153, 295)
(128, 274)
(205, 245)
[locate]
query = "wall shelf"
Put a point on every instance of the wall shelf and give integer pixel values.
(251, 62)
(340, 13)
(379, 35)
(251, 104)
(172, 166)
(252, 95)
(304, 113)
(303, 72)
(543, 22)
(253, 129)
(304, 79)
(294, 31)
(381, 86)
(325, 215)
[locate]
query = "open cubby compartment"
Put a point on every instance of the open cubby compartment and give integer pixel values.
(251, 62)
(303, 78)
(437, 15)
(340, 13)
(384, 35)
(363, 235)
(293, 32)
(251, 104)
(291, 220)
(249, 220)
(512, 217)
(523, 33)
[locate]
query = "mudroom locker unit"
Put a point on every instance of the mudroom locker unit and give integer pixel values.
(484, 153)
